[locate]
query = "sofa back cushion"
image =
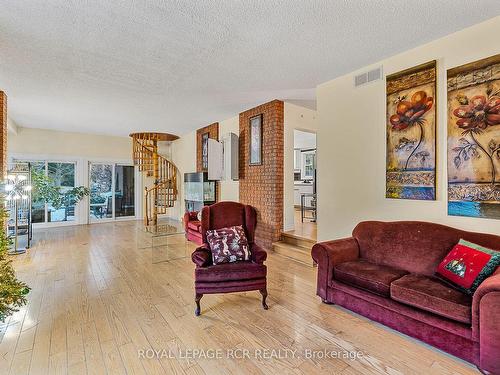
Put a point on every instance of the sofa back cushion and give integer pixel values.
(413, 246)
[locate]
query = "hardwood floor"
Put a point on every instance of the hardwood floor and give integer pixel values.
(306, 229)
(98, 301)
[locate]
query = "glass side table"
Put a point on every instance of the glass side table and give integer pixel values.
(166, 241)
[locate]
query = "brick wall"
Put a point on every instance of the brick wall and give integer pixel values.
(262, 185)
(213, 133)
(3, 134)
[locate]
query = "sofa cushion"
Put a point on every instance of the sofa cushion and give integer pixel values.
(230, 272)
(431, 294)
(468, 265)
(195, 225)
(366, 275)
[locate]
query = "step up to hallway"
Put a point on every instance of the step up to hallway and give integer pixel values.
(296, 248)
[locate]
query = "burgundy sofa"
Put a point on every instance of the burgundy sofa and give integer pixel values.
(229, 277)
(386, 272)
(192, 227)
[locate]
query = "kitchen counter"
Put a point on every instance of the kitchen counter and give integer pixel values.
(299, 188)
(300, 183)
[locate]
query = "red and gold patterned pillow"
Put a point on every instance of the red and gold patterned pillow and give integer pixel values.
(467, 265)
(228, 244)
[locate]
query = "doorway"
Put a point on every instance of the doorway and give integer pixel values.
(112, 192)
(304, 184)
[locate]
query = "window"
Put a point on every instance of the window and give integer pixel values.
(37, 203)
(62, 174)
(308, 164)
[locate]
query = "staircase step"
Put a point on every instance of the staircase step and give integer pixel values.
(297, 253)
(295, 240)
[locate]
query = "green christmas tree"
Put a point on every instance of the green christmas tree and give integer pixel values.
(12, 291)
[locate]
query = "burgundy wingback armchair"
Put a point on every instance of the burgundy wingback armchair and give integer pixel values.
(192, 227)
(229, 277)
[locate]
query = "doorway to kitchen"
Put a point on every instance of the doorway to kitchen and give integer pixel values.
(304, 184)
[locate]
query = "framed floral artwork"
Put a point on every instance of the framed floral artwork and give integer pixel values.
(255, 140)
(411, 133)
(474, 139)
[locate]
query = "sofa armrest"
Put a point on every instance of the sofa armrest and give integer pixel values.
(186, 220)
(202, 256)
(258, 254)
(486, 322)
(327, 255)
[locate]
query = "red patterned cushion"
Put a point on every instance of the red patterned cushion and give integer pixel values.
(228, 244)
(467, 265)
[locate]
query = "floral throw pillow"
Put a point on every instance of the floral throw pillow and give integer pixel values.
(228, 244)
(467, 265)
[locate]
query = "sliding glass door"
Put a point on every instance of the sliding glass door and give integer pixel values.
(112, 191)
(124, 191)
(101, 191)
(47, 174)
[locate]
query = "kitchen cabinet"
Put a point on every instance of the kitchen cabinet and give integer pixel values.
(300, 188)
(297, 159)
(296, 196)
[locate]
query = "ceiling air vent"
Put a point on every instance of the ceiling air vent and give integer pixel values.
(367, 77)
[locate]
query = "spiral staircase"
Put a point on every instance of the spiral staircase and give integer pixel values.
(163, 192)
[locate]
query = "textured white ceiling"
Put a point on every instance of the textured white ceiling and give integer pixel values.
(114, 67)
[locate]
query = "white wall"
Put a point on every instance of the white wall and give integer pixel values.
(50, 142)
(302, 139)
(184, 157)
(229, 190)
(295, 118)
(352, 138)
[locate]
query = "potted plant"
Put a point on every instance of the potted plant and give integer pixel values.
(44, 190)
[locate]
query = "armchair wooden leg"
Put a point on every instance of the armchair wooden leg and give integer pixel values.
(197, 299)
(264, 296)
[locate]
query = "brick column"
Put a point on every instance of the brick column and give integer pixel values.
(3, 134)
(261, 186)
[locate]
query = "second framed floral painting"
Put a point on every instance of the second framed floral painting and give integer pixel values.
(474, 139)
(411, 133)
